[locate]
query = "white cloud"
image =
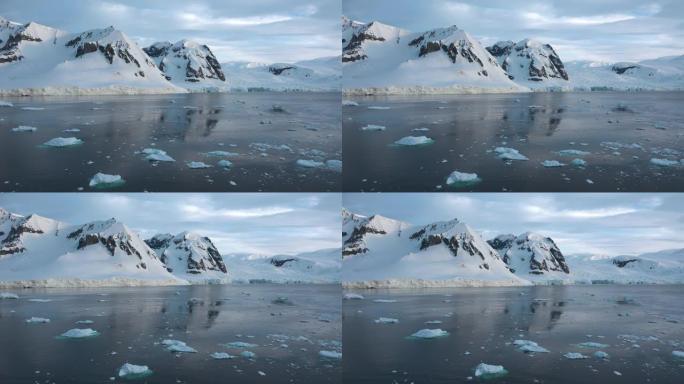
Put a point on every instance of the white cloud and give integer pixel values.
(197, 212)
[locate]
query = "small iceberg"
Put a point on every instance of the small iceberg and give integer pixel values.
(430, 334)
(59, 142)
(378, 108)
(40, 300)
(248, 354)
(349, 103)
(85, 322)
(225, 163)
(132, 371)
(414, 140)
(6, 104)
(433, 322)
(37, 320)
(506, 153)
(24, 128)
(386, 320)
(573, 152)
(221, 356)
(575, 356)
(154, 154)
(221, 154)
(334, 165)
(552, 163)
(458, 179)
(384, 301)
(422, 129)
(529, 346)
(601, 355)
(579, 163)
(103, 180)
(72, 130)
(591, 344)
(489, 371)
(79, 333)
(330, 354)
(8, 296)
(373, 127)
(197, 165)
(310, 163)
(240, 344)
(678, 354)
(177, 346)
(33, 108)
(352, 296)
(664, 162)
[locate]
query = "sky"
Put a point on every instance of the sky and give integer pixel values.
(606, 224)
(236, 30)
(257, 223)
(605, 30)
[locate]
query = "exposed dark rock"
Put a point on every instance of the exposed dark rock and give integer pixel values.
(623, 263)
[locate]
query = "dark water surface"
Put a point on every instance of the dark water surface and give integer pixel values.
(467, 128)
(188, 126)
(132, 321)
(642, 325)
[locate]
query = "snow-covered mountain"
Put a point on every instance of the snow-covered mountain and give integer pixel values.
(323, 266)
(664, 267)
(190, 256)
(665, 73)
(532, 256)
(323, 74)
(530, 63)
(38, 251)
(37, 59)
(382, 252)
(188, 64)
(379, 58)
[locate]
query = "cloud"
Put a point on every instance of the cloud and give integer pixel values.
(193, 21)
(200, 213)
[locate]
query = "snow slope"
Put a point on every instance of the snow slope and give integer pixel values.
(532, 256)
(188, 64)
(190, 256)
(322, 266)
(664, 267)
(666, 73)
(381, 252)
(36, 59)
(322, 75)
(530, 63)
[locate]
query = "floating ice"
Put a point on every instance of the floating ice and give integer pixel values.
(578, 162)
(573, 152)
(613, 145)
(664, 162)
(384, 301)
(575, 356)
(224, 163)
(529, 346)
(40, 300)
(7, 296)
(378, 108)
(197, 165)
(33, 108)
(457, 178)
(79, 333)
(506, 153)
(221, 154)
(488, 371)
(240, 344)
(430, 333)
(433, 322)
(6, 104)
(72, 130)
(37, 320)
(552, 163)
(414, 140)
(422, 129)
(58, 142)
(334, 165)
(353, 296)
(678, 354)
(103, 180)
(154, 154)
(349, 103)
(248, 354)
(24, 128)
(177, 346)
(601, 355)
(331, 354)
(310, 163)
(262, 147)
(373, 127)
(386, 320)
(84, 322)
(221, 356)
(591, 344)
(132, 371)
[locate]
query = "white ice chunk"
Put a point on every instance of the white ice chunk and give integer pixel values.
(378, 108)
(575, 356)
(37, 320)
(664, 162)
(457, 177)
(353, 296)
(63, 142)
(154, 154)
(310, 163)
(225, 163)
(678, 354)
(529, 346)
(6, 104)
(591, 344)
(84, 322)
(221, 154)
(24, 128)
(414, 140)
(334, 165)
(384, 301)
(578, 162)
(506, 153)
(489, 371)
(72, 130)
(552, 163)
(386, 320)
(33, 108)
(248, 354)
(573, 152)
(331, 354)
(177, 346)
(7, 296)
(103, 179)
(349, 103)
(221, 356)
(134, 371)
(430, 333)
(197, 165)
(240, 344)
(433, 322)
(79, 333)
(601, 355)
(373, 127)
(421, 129)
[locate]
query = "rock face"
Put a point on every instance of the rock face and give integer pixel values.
(530, 254)
(357, 228)
(14, 229)
(529, 60)
(13, 36)
(189, 254)
(355, 34)
(186, 62)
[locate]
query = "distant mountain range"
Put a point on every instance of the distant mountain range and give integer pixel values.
(40, 252)
(38, 59)
(383, 252)
(383, 59)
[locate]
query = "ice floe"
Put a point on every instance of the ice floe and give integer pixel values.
(575, 356)
(414, 140)
(386, 320)
(154, 154)
(592, 344)
(177, 346)
(6, 104)
(457, 178)
(352, 296)
(601, 355)
(59, 142)
(103, 180)
(330, 354)
(430, 333)
(349, 103)
(334, 165)
(132, 371)
(573, 152)
(613, 145)
(433, 322)
(378, 108)
(197, 165)
(240, 344)
(24, 128)
(33, 108)
(529, 346)
(678, 354)
(248, 354)
(664, 162)
(79, 333)
(373, 127)
(37, 320)
(221, 154)
(579, 162)
(506, 153)
(552, 163)
(84, 322)
(306, 163)
(489, 371)
(225, 163)
(8, 296)
(221, 356)
(384, 301)
(263, 147)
